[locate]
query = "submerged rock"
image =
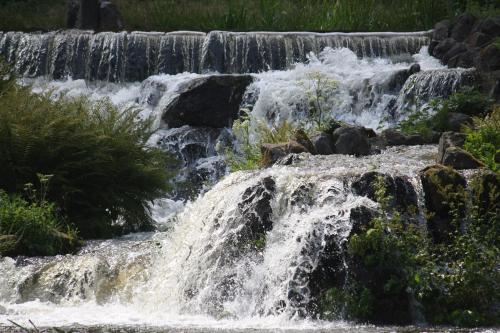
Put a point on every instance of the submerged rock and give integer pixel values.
(211, 101)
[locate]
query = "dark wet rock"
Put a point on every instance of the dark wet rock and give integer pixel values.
(302, 196)
(463, 27)
(361, 218)
(447, 140)
(415, 68)
(72, 11)
(485, 190)
(272, 152)
(465, 59)
(441, 30)
(453, 52)
(490, 26)
(255, 210)
(351, 141)
(399, 190)
(392, 137)
(399, 78)
(323, 143)
(444, 199)
(110, 18)
(478, 39)
(211, 101)
(443, 47)
(456, 121)
(489, 58)
(301, 137)
(460, 159)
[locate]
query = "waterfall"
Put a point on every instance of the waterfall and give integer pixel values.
(245, 252)
(134, 56)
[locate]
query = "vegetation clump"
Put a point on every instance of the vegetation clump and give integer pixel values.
(483, 139)
(399, 275)
(104, 174)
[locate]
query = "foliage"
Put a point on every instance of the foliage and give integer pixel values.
(483, 139)
(248, 15)
(435, 115)
(249, 140)
(104, 173)
(393, 261)
(319, 88)
(32, 229)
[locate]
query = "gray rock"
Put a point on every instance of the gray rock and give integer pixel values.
(272, 152)
(460, 159)
(400, 192)
(211, 101)
(351, 141)
(490, 26)
(323, 144)
(88, 15)
(489, 59)
(443, 47)
(478, 39)
(465, 59)
(442, 187)
(457, 120)
(72, 12)
(463, 27)
(110, 18)
(447, 140)
(441, 30)
(454, 51)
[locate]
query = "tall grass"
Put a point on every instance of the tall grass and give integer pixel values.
(248, 15)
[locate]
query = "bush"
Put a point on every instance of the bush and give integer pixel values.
(104, 173)
(434, 116)
(32, 229)
(483, 139)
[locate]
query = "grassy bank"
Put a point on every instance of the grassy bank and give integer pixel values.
(247, 15)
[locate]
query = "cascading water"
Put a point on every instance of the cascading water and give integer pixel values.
(244, 253)
(137, 55)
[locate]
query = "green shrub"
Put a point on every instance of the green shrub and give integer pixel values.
(248, 155)
(32, 229)
(483, 139)
(434, 117)
(104, 173)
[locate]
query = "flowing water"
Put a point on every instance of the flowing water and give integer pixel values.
(208, 267)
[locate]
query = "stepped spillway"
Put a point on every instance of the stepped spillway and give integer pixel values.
(135, 56)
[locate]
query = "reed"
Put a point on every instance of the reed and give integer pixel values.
(248, 15)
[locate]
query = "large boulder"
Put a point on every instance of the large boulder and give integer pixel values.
(444, 196)
(460, 159)
(392, 137)
(463, 27)
(351, 141)
(443, 47)
(490, 26)
(441, 30)
(110, 18)
(489, 59)
(211, 101)
(323, 143)
(398, 190)
(458, 120)
(454, 51)
(486, 192)
(447, 140)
